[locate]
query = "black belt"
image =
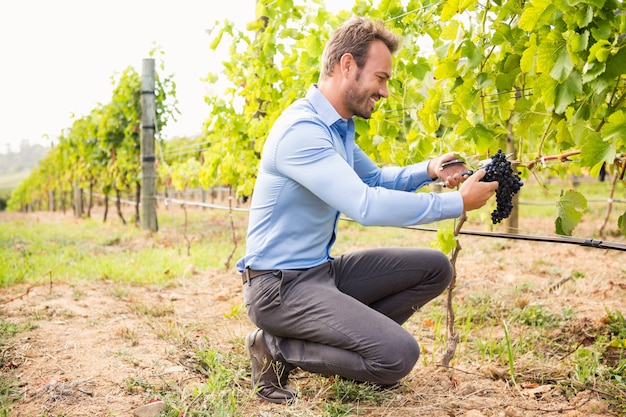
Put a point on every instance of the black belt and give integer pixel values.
(249, 274)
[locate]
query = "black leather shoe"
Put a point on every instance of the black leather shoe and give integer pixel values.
(269, 377)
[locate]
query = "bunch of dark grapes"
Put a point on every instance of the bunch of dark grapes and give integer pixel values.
(509, 184)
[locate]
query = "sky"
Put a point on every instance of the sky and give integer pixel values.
(57, 58)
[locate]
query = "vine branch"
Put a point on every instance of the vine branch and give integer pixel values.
(564, 157)
(453, 336)
(610, 202)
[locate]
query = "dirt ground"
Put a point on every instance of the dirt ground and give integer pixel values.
(93, 341)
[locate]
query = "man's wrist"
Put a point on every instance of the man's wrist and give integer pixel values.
(433, 178)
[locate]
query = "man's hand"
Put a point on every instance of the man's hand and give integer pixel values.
(475, 193)
(451, 175)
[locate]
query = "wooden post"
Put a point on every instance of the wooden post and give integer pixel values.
(148, 169)
(78, 200)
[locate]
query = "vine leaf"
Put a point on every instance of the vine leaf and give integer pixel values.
(446, 241)
(567, 91)
(621, 223)
(563, 65)
(532, 15)
(569, 211)
(528, 56)
(615, 128)
(478, 134)
(599, 51)
(595, 151)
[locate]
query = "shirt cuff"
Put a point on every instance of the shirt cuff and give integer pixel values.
(428, 166)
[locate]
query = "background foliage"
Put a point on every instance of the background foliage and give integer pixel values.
(542, 79)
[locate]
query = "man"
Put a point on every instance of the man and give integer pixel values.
(341, 316)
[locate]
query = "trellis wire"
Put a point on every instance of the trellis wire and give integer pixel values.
(586, 242)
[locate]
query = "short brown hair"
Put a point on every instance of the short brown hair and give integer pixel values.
(355, 37)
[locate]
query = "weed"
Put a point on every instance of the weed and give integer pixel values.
(536, 316)
(128, 334)
(77, 295)
(217, 396)
(346, 391)
(586, 362)
(9, 391)
(616, 324)
(138, 385)
(509, 351)
(236, 311)
(120, 292)
(336, 409)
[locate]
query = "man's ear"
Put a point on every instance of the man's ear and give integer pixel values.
(347, 64)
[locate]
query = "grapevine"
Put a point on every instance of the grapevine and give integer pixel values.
(499, 169)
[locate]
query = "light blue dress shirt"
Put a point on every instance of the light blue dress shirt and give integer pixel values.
(310, 172)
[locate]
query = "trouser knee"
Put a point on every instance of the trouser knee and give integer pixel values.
(400, 360)
(445, 269)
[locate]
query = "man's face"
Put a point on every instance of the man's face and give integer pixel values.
(369, 83)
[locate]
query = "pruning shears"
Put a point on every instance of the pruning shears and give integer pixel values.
(481, 164)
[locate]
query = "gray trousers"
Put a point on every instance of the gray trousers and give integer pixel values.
(345, 317)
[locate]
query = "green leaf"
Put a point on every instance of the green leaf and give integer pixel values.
(478, 134)
(506, 81)
(602, 29)
(563, 135)
(419, 68)
(578, 41)
(528, 56)
(483, 81)
(532, 14)
(621, 223)
(568, 214)
(428, 113)
(511, 63)
(215, 43)
(473, 54)
(615, 127)
(597, 3)
(450, 31)
(616, 64)
(446, 69)
(563, 64)
(584, 16)
(599, 51)
(446, 240)
(566, 92)
(594, 151)
(450, 9)
(593, 70)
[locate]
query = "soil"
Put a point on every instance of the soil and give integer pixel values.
(94, 342)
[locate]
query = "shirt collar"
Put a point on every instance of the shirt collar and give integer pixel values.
(323, 107)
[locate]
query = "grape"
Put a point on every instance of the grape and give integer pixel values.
(509, 184)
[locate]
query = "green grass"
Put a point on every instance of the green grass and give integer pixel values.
(31, 251)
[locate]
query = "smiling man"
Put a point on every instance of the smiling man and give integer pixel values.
(341, 315)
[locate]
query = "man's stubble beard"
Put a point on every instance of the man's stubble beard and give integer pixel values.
(357, 100)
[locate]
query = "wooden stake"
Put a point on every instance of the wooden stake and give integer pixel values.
(148, 170)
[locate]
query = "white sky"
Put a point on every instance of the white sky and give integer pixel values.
(58, 57)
